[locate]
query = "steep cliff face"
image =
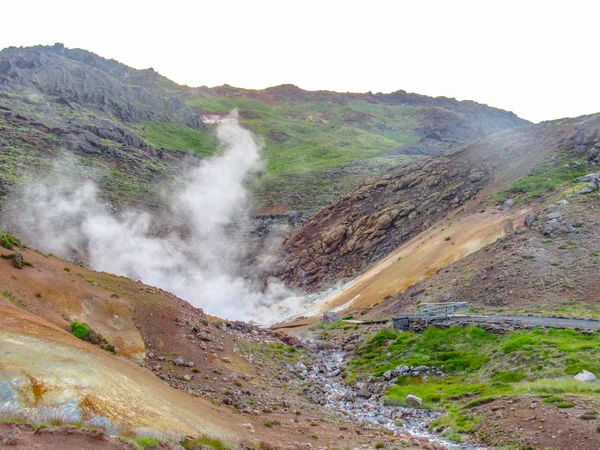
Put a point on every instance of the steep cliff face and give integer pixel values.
(384, 212)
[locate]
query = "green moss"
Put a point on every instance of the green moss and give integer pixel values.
(455, 349)
(436, 391)
(18, 302)
(533, 361)
(565, 405)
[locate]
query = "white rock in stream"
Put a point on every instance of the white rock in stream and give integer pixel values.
(413, 400)
(585, 376)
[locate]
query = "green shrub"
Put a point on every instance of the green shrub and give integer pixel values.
(80, 330)
(553, 399)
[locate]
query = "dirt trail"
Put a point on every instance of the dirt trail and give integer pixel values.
(422, 257)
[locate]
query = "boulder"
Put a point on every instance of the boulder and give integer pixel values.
(179, 361)
(475, 176)
(530, 219)
(585, 376)
(10, 437)
(18, 261)
(401, 370)
(554, 216)
(589, 177)
(330, 317)
(585, 190)
(332, 239)
(383, 222)
(300, 367)
(508, 203)
(413, 400)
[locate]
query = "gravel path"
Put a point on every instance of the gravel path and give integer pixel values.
(530, 321)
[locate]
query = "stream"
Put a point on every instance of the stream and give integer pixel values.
(365, 405)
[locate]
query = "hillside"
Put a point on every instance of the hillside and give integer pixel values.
(153, 370)
(387, 211)
(133, 130)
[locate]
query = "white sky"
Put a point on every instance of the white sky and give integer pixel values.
(539, 59)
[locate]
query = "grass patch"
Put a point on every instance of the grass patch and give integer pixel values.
(509, 376)
(18, 302)
(178, 137)
(565, 405)
(546, 178)
(213, 443)
(145, 442)
(8, 241)
(455, 349)
(436, 391)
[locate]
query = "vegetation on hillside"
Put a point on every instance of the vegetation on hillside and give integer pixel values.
(8, 241)
(547, 177)
(178, 137)
(479, 365)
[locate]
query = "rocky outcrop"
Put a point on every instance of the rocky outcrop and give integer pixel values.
(375, 218)
(77, 77)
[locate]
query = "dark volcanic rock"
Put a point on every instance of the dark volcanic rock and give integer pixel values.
(75, 77)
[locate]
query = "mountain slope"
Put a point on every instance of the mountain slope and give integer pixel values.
(386, 211)
(135, 128)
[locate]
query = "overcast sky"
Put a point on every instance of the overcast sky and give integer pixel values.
(539, 59)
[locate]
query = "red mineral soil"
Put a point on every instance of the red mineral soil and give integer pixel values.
(144, 388)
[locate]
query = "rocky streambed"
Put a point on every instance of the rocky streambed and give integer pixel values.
(365, 400)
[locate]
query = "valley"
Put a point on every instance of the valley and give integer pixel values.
(194, 267)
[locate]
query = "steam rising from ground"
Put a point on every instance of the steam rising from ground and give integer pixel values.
(203, 265)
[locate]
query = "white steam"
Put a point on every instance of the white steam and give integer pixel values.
(204, 267)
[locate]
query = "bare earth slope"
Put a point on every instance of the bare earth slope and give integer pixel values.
(541, 270)
(177, 372)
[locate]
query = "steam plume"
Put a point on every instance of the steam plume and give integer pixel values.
(204, 267)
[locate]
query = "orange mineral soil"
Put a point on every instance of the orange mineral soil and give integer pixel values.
(423, 256)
